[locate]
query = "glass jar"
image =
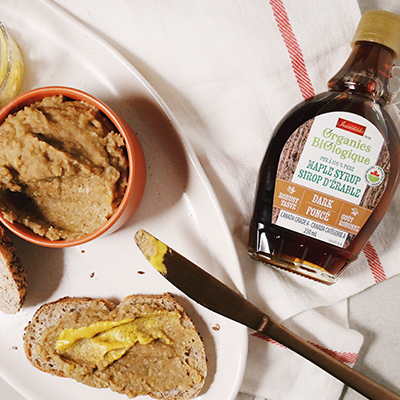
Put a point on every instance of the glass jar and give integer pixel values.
(11, 67)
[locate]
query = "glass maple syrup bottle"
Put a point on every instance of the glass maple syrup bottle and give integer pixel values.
(332, 166)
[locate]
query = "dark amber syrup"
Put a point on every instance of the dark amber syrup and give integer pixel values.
(360, 87)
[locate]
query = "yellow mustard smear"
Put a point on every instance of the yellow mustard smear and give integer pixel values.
(157, 260)
(106, 341)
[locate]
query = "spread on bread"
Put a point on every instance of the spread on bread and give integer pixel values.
(104, 342)
(145, 345)
(63, 168)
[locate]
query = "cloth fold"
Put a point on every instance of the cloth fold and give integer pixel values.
(230, 70)
(281, 374)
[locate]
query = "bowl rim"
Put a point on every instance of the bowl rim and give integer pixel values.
(37, 94)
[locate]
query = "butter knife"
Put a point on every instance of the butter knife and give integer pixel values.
(211, 293)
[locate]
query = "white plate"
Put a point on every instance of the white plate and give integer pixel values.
(179, 207)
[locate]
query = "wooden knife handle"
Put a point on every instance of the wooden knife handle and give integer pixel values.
(365, 386)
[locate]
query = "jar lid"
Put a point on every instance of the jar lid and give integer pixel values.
(381, 27)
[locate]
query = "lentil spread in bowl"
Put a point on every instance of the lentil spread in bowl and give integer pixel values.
(64, 168)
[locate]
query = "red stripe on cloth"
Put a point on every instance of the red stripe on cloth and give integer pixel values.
(267, 339)
(374, 263)
(344, 357)
(295, 53)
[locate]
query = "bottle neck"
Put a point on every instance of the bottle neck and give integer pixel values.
(366, 72)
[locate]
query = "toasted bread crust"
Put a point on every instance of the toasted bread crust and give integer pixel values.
(50, 314)
(13, 282)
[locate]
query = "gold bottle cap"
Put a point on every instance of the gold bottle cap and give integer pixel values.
(381, 27)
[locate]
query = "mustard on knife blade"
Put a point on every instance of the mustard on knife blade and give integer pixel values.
(152, 249)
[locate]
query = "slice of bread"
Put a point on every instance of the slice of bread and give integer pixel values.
(13, 284)
(163, 371)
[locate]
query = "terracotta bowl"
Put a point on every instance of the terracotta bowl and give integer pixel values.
(136, 176)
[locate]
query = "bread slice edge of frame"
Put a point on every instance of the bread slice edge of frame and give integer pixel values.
(13, 280)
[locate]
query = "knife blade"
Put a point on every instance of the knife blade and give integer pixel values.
(211, 293)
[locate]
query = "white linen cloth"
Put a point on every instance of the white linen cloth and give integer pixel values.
(229, 70)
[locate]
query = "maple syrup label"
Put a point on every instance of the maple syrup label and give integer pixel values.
(331, 175)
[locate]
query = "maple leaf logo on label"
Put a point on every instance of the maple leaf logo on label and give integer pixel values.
(291, 189)
(374, 175)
